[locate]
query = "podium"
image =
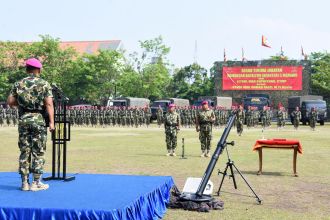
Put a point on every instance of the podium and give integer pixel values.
(60, 137)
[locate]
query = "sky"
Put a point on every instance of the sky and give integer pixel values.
(212, 25)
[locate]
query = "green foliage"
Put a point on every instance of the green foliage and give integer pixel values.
(94, 78)
(190, 82)
(150, 71)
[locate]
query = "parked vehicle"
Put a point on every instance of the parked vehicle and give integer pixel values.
(215, 101)
(128, 102)
(164, 103)
(305, 104)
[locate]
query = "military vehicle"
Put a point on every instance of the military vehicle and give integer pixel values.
(164, 103)
(256, 100)
(128, 102)
(305, 103)
(215, 101)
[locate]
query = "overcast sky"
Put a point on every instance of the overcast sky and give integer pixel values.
(214, 24)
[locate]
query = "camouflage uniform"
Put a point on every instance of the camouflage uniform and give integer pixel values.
(249, 118)
(264, 118)
(312, 119)
(204, 118)
(2, 114)
(159, 116)
(147, 116)
(30, 93)
(280, 118)
(296, 115)
(240, 117)
(172, 123)
(8, 115)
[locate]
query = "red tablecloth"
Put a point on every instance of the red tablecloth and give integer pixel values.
(278, 143)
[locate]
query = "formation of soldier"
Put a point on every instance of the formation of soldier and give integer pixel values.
(8, 116)
(109, 116)
(140, 116)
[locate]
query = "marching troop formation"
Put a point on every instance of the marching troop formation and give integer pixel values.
(109, 116)
(8, 116)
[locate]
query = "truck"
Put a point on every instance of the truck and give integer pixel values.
(215, 101)
(164, 103)
(128, 102)
(256, 100)
(305, 104)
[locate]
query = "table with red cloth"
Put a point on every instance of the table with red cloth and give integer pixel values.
(278, 144)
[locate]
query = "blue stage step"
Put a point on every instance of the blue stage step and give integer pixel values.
(90, 196)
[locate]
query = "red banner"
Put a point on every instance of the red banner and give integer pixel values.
(262, 78)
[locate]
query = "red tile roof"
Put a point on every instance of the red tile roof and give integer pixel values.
(91, 47)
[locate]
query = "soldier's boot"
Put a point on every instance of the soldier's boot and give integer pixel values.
(207, 153)
(173, 153)
(203, 153)
(37, 185)
(25, 184)
(168, 153)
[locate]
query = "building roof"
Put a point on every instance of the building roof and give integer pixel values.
(91, 47)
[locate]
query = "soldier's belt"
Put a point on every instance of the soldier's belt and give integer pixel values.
(32, 111)
(206, 123)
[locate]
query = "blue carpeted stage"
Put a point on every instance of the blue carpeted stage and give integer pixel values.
(90, 196)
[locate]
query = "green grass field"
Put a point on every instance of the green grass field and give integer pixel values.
(142, 151)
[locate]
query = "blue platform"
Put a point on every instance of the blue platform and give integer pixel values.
(89, 196)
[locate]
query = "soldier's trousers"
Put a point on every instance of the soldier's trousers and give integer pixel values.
(296, 123)
(280, 122)
(205, 137)
(171, 139)
(239, 126)
(312, 123)
(32, 144)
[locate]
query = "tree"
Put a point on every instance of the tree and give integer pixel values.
(321, 74)
(152, 69)
(191, 81)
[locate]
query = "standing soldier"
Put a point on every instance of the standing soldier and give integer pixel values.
(8, 115)
(204, 121)
(296, 116)
(32, 95)
(2, 113)
(249, 117)
(264, 117)
(14, 116)
(280, 118)
(256, 116)
(313, 118)
(159, 116)
(172, 126)
(240, 118)
(147, 115)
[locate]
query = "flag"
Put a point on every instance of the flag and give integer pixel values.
(224, 55)
(264, 42)
(243, 55)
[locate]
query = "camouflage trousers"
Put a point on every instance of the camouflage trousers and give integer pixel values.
(312, 123)
(171, 139)
(280, 122)
(205, 137)
(296, 123)
(32, 144)
(239, 126)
